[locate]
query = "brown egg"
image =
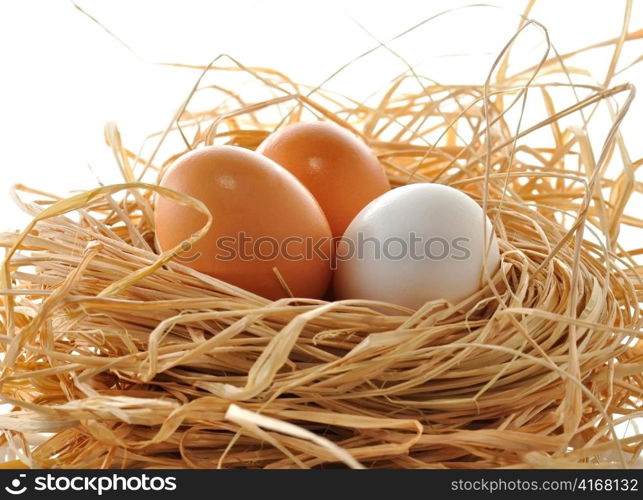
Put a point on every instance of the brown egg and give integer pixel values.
(263, 218)
(337, 167)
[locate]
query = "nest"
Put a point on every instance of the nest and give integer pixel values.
(125, 357)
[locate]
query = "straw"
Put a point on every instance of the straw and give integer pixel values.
(132, 359)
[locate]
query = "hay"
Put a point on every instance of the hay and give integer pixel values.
(132, 359)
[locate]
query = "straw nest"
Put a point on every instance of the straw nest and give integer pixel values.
(130, 359)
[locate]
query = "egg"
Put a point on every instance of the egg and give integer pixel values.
(263, 218)
(341, 172)
(414, 244)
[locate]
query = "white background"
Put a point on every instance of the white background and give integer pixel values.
(63, 76)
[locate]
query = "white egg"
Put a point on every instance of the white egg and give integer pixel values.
(414, 244)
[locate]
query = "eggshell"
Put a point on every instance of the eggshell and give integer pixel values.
(259, 209)
(340, 170)
(431, 246)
